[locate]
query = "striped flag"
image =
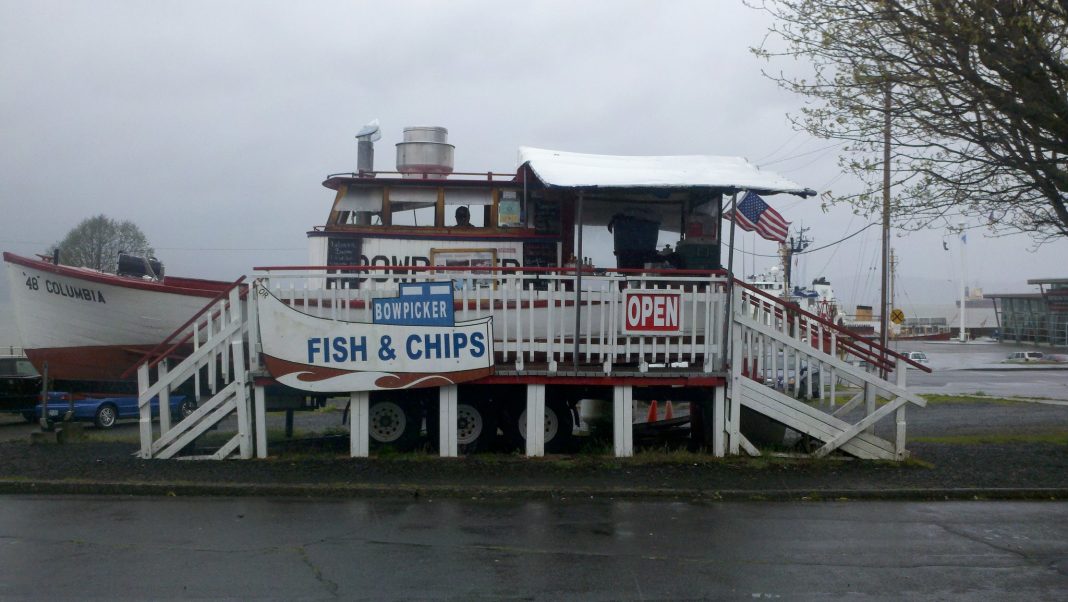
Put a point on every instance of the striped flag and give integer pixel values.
(754, 215)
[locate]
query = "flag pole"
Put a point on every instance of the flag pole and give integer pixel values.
(730, 284)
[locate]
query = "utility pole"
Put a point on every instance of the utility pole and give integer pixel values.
(884, 311)
(893, 281)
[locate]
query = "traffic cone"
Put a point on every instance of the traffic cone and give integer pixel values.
(668, 414)
(651, 417)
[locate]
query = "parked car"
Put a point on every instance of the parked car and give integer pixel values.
(917, 356)
(802, 382)
(1026, 356)
(20, 386)
(106, 411)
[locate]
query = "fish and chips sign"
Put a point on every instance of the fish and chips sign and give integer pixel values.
(413, 341)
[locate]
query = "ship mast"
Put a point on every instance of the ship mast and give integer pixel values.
(796, 244)
(963, 276)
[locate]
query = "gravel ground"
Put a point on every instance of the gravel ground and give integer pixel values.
(1028, 457)
(1027, 466)
(998, 470)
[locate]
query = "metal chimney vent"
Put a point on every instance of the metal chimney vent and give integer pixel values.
(425, 151)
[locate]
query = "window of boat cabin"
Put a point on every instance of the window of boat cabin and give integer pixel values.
(427, 207)
(412, 206)
(477, 201)
(360, 206)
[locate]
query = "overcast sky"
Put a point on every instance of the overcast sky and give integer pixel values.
(212, 124)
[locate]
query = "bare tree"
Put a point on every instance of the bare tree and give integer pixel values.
(978, 101)
(97, 241)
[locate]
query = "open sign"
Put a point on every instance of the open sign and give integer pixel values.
(651, 312)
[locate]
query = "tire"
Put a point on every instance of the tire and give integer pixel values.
(187, 407)
(106, 416)
(559, 427)
(394, 424)
(476, 427)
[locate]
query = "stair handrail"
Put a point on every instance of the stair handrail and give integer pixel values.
(856, 350)
(153, 356)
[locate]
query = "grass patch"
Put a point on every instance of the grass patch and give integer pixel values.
(937, 398)
(124, 436)
(1053, 437)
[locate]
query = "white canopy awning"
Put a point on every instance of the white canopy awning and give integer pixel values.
(578, 170)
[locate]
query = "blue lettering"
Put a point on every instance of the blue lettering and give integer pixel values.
(340, 352)
(459, 342)
(478, 345)
(413, 352)
(313, 348)
(362, 348)
(436, 346)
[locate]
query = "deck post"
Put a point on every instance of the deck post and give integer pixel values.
(145, 408)
(164, 399)
(244, 423)
(734, 407)
(447, 444)
(578, 288)
(623, 421)
(719, 426)
(254, 347)
(869, 405)
(359, 424)
(260, 421)
(899, 416)
(535, 434)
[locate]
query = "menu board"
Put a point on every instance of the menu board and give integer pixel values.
(343, 251)
(546, 217)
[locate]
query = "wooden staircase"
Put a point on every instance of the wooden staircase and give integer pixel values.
(774, 346)
(210, 357)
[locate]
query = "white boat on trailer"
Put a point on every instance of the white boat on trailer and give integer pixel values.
(91, 326)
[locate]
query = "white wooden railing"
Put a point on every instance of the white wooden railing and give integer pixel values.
(534, 313)
(783, 356)
(206, 358)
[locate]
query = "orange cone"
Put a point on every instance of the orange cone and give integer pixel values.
(668, 414)
(651, 417)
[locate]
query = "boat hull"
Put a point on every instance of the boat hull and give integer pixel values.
(939, 336)
(91, 326)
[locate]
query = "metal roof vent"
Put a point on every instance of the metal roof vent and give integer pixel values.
(425, 152)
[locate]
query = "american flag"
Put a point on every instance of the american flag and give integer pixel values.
(755, 215)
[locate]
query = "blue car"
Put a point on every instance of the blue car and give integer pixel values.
(105, 411)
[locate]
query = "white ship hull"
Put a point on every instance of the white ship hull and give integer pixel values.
(89, 325)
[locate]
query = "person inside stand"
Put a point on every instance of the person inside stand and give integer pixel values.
(463, 217)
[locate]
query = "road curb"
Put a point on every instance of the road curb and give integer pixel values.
(416, 491)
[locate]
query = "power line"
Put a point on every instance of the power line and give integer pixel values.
(805, 154)
(807, 251)
(781, 146)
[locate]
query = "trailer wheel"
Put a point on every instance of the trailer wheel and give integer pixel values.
(559, 427)
(476, 426)
(393, 424)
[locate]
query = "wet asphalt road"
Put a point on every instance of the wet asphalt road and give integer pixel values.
(138, 548)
